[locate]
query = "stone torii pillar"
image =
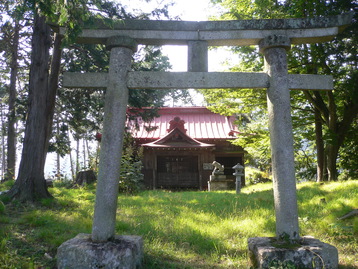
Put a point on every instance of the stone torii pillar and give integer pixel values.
(197, 56)
(116, 101)
(281, 136)
(103, 249)
(303, 252)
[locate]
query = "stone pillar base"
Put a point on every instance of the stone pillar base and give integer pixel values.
(124, 252)
(267, 252)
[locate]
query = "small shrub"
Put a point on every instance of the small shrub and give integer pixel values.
(6, 185)
(63, 183)
(131, 176)
(256, 176)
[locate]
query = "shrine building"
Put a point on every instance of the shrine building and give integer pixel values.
(180, 145)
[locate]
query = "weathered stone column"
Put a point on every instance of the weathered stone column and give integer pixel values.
(116, 100)
(197, 56)
(281, 136)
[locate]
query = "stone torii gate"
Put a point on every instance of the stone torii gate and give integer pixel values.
(274, 38)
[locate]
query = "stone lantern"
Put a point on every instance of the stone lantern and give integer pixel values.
(239, 171)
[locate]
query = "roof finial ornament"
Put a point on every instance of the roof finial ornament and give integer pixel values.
(177, 123)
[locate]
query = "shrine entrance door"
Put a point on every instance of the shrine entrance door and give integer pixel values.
(177, 172)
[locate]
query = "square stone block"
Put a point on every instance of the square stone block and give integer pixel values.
(217, 178)
(310, 253)
(123, 252)
(223, 185)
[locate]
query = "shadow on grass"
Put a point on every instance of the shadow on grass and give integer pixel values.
(153, 261)
(30, 233)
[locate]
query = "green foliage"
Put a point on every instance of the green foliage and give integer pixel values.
(60, 142)
(63, 183)
(131, 177)
(347, 164)
(6, 185)
(337, 110)
(254, 175)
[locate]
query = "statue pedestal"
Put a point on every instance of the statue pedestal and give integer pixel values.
(217, 178)
(220, 183)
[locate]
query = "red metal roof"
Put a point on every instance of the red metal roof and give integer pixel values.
(178, 139)
(200, 123)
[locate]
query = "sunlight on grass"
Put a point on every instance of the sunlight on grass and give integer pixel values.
(209, 228)
(180, 229)
(320, 206)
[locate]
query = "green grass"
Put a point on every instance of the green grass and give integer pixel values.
(180, 229)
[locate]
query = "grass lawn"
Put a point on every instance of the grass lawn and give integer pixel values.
(180, 229)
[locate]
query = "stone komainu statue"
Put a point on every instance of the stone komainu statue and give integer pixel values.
(218, 168)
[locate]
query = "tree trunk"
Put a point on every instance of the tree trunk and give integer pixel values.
(3, 151)
(77, 155)
(58, 157)
(85, 177)
(72, 169)
(84, 154)
(30, 184)
(333, 145)
(89, 156)
(73, 174)
(319, 147)
(11, 131)
(53, 86)
(332, 155)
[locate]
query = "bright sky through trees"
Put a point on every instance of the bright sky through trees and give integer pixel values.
(186, 10)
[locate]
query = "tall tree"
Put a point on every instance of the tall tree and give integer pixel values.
(11, 131)
(43, 82)
(336, 110)
(10, 29)
(30, 184)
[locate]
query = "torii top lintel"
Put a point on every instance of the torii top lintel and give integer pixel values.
(216, 33)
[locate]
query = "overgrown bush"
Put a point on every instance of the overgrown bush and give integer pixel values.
(254, 175)
(63, 183)
(131, 177)
(6, 185)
